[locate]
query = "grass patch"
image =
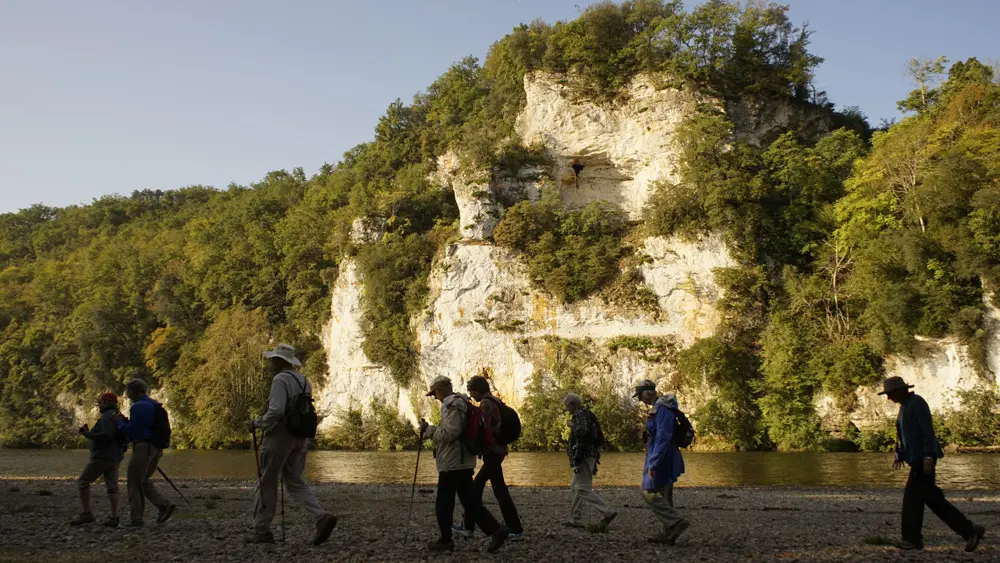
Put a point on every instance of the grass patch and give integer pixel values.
(21, 509)
(211, 504)
(44, 493)
(215, 496)
(877, 540)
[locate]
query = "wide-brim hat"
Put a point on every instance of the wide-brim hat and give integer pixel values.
(894, 383)
(644, 385)
(285, 352)
(439, 382)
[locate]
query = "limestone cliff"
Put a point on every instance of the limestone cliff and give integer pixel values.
(483, 311)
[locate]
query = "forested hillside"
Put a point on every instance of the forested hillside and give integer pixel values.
(850, 242)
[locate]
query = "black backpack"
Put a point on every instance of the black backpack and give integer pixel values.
(596, 433)
(510, 423)
(300, 414)
(159, 431)
(683, 430)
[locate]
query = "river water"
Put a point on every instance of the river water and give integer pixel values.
(856, 470)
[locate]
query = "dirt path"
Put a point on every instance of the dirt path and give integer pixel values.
(729, 524)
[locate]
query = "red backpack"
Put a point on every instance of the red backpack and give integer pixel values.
(478, 434)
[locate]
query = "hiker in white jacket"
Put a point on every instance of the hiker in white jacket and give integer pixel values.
(283, 456)
(455, 465)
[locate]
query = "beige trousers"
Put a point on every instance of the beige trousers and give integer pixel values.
(282, 456)
(583, 492)
(661, 501)
(141, 467)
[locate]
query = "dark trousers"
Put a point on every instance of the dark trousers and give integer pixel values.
(492, 471)
(451, 483)
(921, 490)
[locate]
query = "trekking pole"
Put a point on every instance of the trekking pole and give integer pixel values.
(172, 484)
(413, 489)
(256, 456)
(282, 485)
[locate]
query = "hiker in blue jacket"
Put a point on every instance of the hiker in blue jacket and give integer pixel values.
(145, 456)
(918, 447)
(664, 463)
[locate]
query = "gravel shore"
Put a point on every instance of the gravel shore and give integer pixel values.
(729, 524)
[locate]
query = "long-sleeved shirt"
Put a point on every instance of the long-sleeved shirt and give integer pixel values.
(449, 452)
(103, 444)
(581, 438)
(662, 455)
(915, 431)
(491, 410)
(140, 419)
(286, 385)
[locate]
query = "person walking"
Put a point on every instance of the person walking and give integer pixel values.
(492, 469)
(107, 449)
(585, 441)
(455, 465)
(664, 463)
(917, 446)
(139, 428)
(282, 453)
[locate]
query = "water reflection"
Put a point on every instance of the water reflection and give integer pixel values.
(551, 469)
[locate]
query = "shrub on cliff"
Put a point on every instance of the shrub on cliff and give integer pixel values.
(570, 253)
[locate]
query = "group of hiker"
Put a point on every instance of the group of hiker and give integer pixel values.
(473, 426)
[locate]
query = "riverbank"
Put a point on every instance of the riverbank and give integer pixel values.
(729, 524)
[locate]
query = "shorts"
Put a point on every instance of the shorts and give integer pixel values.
(98, 468)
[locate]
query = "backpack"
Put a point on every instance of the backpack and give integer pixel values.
(478, 434)
(683, 430)
(596, 433)
(300, 414)
(159, 431)
(510, 423)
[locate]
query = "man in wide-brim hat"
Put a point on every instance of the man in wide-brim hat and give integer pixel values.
(917, 446)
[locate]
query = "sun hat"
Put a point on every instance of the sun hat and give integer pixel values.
(644, 385)
(894, 383)
(285, 352)
(439, 382)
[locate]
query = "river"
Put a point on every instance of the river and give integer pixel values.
(856, 470)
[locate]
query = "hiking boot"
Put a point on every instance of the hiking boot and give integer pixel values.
(909, 546)
(515, 536)
(660, 538)
(324, 527)
(572, 524)
(82, 518)
(259, 537)
(608, 519)
(461, 530)
(676, 531)
(977, 535)
(497, 540)
(165, 513)
(110, 522)
(440, 545)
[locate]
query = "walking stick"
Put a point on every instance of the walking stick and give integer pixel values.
(172, 484)
(256, 456)
(282, 485)
(413, 489)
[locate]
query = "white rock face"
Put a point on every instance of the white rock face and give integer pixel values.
(477, 209)
(367, 230)
(938, 369)
(353, 380)
(623, 149)
(485, 306)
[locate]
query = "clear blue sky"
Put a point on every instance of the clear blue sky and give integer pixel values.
(110, 96)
